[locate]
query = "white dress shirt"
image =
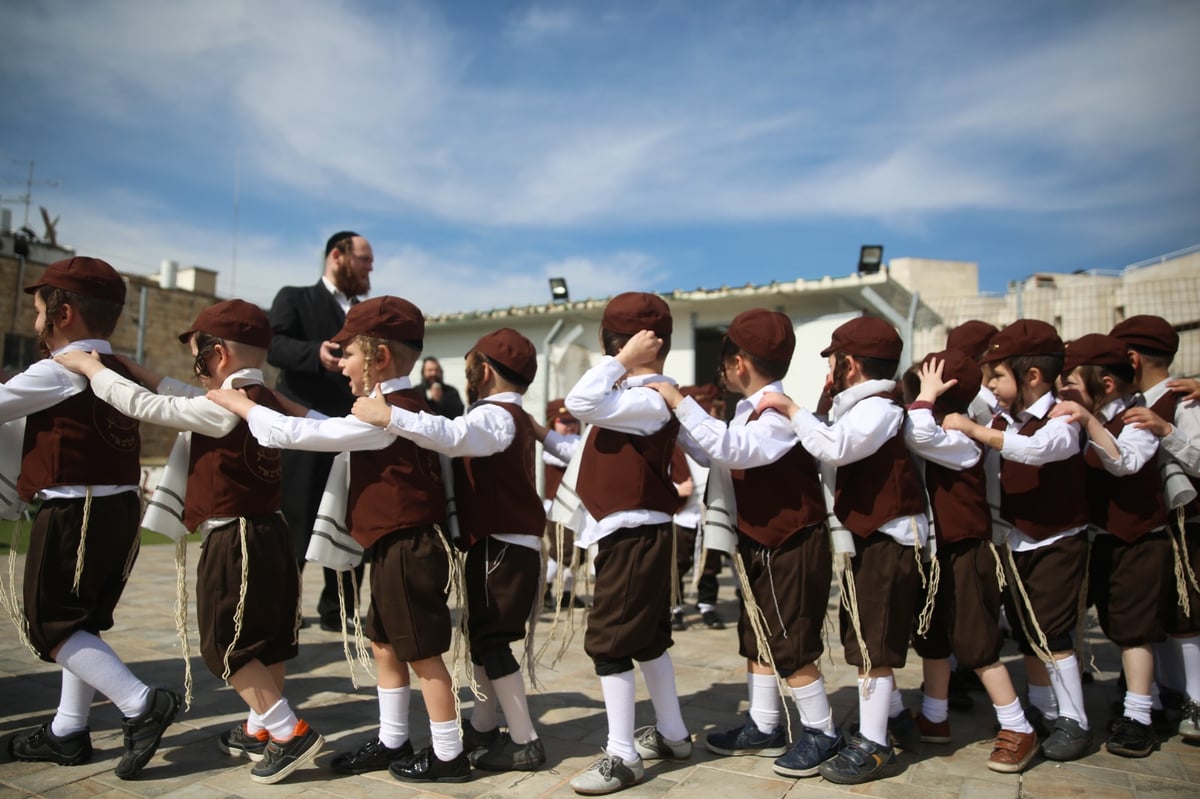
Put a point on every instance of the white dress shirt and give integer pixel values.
(43, 385)
(1183, 442)
(953, 449)
(860, 423)
(1135, 447)
(742, 444)
(485, 429)
(606, 398)
(333, 434)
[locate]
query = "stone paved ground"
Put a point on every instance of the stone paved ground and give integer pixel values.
(568, 712)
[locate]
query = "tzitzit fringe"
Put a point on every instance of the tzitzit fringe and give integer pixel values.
(931, 585)
(460, 657)
(299, 605)
(181, 627)
(528, 659)
(239, 612)
(8, 595)
(761, 630)
(1001, 581)
(131, 558)
(850, 603)
(1184, 575)
(345, 634)
(83, 528)
(1083, 649)
(360, 639)
(1040, 646)
(565, 641)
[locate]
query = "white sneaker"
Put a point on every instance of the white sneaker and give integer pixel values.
(651, 745)
(608, 774)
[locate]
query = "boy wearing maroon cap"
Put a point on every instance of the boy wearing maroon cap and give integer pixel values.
(396, 508)
(247, 608)
(1042, 481)
(878, 498)
(781, 531)
(972, 339)
(502, 521)
(80, 457)
(625, 486)
(1152, 342)
(966, 613)
(1131, 553)
(563, 431)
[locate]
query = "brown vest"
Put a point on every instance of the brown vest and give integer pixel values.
(1042, 501)
(81, 441)
(958, 502)
(554, 478)
(397, 487)
(497, 493)
(880, 487)
(778, 500)
(1128, 506)
(233, 475)
(622, 471)
(1165, 407)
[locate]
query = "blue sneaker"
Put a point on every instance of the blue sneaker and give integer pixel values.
(810, 749)
(860, 760)
(748, 740)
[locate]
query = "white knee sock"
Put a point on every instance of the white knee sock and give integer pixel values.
(1067, 683)
(393, 716)
(873, 709)
(896, 702)
(1168, 667)
(254, 723)
(1042, 697)
(74, 705)
(1189, 650)
(813, 702)
(280, 721)
(485, 715)
(1137, 707)
(446, 739)
(510, 691)
(764, 702)
(620, 696)
(659, 675)
(936, 710)
(94, 662)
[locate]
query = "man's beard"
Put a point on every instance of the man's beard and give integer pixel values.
(348, 281)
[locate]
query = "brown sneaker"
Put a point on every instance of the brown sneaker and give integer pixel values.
(1012, 751)
(933, 732)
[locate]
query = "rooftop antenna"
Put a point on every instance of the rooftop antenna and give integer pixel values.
(27, 197)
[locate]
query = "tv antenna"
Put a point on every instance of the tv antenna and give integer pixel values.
(27, 197)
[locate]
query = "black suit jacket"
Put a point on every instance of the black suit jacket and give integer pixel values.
(301, 318)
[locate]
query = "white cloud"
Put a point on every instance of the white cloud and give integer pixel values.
(538, 22)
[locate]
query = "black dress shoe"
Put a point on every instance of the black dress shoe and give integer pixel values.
(424, 766)
(41, 744)
(334, 624)
(371, 756)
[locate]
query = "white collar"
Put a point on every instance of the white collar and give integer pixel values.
(845, 400)
(392, 385)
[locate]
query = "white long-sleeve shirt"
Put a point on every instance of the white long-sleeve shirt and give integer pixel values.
(953, 449)
(483, 430)
(43, 385)
(742, 444)
(1183, 442)
(1135, 447)
(332, 434)
(860, 423)
(606, 398)
(1057, 440)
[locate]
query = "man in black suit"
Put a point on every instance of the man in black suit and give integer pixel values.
(304, 319)
(442, 397)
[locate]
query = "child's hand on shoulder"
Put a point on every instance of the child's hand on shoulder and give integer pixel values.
(373, 410)
(670, 392)
(232, 399)
(960, 422)
(779, 402)
(1188, 386)
(641, 350)
(1071, 411)
(80, 362)
(1143, 418)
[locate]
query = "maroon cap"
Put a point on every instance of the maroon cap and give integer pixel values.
(765, 334)
(1147, 332)
(1024, 337)
(556, 410)
(511, 350)
(959, 366)
(635, 311)
(866, 337)
(386, 317)
(1095, 349)
(971, 337)
(233, 320)
(90, 277)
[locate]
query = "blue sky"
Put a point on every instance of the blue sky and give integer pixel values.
(485, 146)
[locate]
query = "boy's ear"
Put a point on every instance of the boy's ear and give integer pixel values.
(383, 357)
(1033, 376)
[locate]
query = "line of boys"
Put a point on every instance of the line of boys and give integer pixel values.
(874, 476)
